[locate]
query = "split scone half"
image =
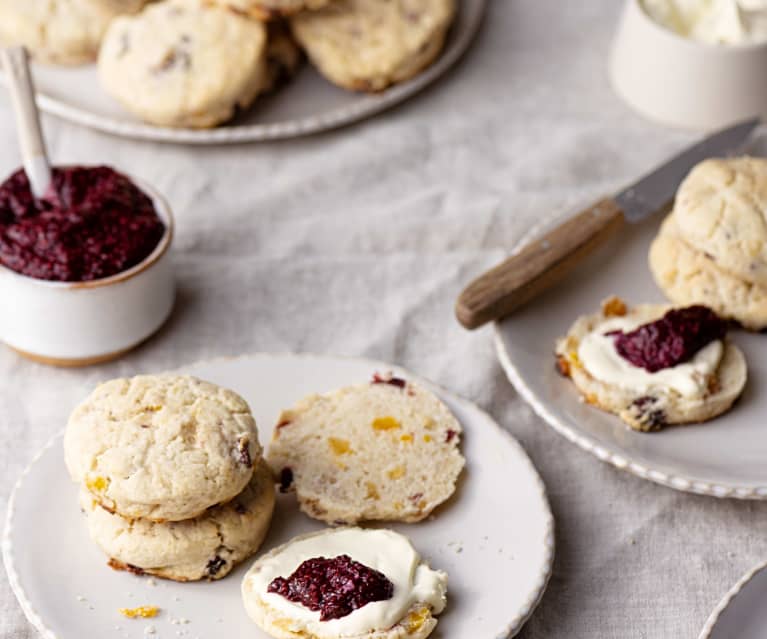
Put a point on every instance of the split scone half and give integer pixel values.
(387, 450)
(206, 547)
(696, 390)
(389, 592)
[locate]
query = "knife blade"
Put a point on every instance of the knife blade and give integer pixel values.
(540, 264)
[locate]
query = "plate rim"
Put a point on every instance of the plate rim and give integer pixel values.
(549, 540)
(367, 105)
(724, 603)
(675, 481)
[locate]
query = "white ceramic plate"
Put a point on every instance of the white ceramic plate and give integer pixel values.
(494, 538)
(308, 104)
(723, 458)
(741, 614)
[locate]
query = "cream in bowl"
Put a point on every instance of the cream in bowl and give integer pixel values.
(84, 271)
(723, 22)
(696, 64)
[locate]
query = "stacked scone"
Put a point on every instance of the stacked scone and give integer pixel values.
(172, 478)
(712, 249)
(388, 450)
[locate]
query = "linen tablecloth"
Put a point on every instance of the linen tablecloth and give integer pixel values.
(356, 242)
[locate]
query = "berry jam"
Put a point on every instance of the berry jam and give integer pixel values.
(336, 587)
(673, 339)
(92, 223)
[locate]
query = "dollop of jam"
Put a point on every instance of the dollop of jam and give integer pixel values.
(335, 587)
(92, 223)
(673, 339)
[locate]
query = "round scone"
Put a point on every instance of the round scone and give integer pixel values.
(367, 45)
(388, 450)
(172, 64)
(60, 31)
(694, 390)
(272, 9)
(293, 591)
(161, 447)
(206, 547)
(688, 276)
(283, 56)
(721, 209)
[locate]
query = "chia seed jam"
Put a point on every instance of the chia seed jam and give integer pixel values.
(92, 223)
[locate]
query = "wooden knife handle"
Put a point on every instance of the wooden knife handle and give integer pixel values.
(537, 266)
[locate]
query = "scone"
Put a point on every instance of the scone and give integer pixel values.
(207, 547)
(388, 450)
(283, 56)
(652, 368)
(184, 63)
(688, 276)
(367, 45)
(293, 592)
(60, 31)
(272, 9)
(721, 210)
(161, 447)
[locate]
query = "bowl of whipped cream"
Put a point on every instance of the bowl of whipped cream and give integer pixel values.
(696, 64)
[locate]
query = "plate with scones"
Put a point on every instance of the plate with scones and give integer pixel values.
(279, 496)
(227, 71)
(652, 354)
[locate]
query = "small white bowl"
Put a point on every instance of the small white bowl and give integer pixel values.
(683, 82)
(83, 323)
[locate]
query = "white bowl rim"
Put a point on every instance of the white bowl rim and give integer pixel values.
(164, 213)
(725, 48)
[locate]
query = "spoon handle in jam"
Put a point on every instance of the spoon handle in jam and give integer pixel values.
(33, 152)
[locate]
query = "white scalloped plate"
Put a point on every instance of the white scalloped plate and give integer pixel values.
(308, 104)
(495, 537)
(741, 614)
(722, 458)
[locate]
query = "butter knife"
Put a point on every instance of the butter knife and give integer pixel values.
(542, 263)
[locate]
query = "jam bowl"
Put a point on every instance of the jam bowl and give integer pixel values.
(77, 323)
(683, 82)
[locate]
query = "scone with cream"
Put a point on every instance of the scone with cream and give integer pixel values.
(387, 450)
(346, 582)
(653, 365)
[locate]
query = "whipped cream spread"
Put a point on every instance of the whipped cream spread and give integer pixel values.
(712, 21)
(600, 358)
(383, 550)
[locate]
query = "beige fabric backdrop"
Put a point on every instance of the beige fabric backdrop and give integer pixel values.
(356, 242)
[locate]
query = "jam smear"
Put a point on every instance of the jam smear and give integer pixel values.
(673, 339)
(335, 587)
(392, 381)
(92, 223)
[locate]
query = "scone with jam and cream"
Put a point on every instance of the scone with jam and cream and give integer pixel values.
(653, 365)
(345, 582)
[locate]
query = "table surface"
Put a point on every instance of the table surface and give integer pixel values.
(357, 242)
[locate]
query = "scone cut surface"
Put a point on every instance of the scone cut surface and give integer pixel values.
(184, 63)
(161, 447)
(272, 9)
(206, 547)
(367, 45)
(386, 450)
(419, 593)
(653, 404)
